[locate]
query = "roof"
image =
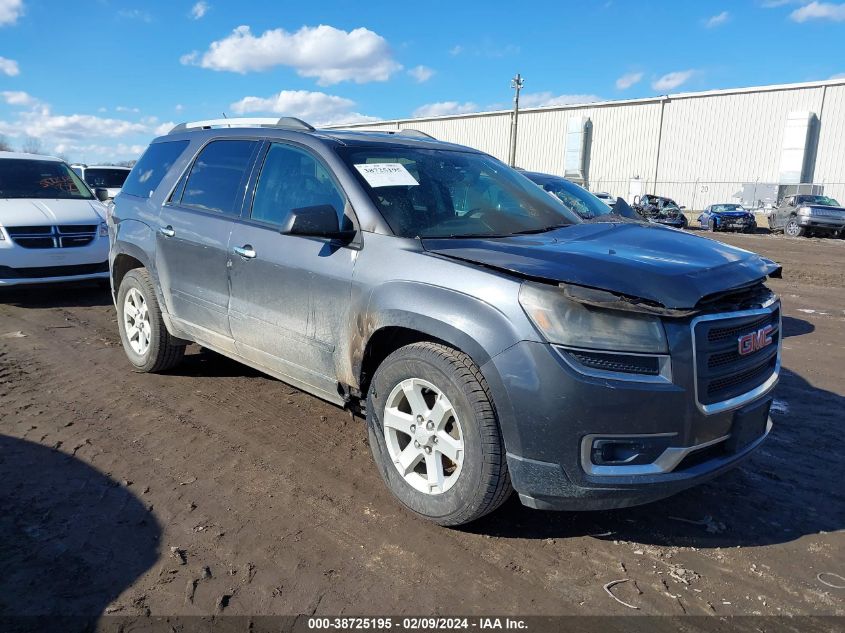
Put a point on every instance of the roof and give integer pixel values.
(26, 156)
(351, 138)
(107, 167)
(607, 103)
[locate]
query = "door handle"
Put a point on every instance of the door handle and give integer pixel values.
(167, 231)
(246, 251)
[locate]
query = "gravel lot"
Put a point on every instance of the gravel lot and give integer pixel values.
(214, 489)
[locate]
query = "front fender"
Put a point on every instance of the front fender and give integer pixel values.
(476, 327)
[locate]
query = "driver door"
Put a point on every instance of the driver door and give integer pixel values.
(290, 294)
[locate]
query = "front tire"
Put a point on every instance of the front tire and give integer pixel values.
(434, 434)
(711, 225)
(793, 229)
(146, 341)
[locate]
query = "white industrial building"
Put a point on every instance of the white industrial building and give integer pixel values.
(698, 147)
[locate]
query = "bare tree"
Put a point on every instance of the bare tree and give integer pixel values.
(126, 163)
(4, 144)
(32, 145)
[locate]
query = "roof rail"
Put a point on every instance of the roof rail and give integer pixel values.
(409, 132)
(286, 122)
(416, 133)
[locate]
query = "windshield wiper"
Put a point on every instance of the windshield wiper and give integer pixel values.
(545, 229)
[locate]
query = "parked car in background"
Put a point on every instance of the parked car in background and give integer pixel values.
(660, 210)
(573, 196)
(806, 214)
(493, 339)
(605, 197)
(108, 177)
(727, 217)
(51, 227)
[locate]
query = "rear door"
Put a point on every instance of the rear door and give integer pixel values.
(290, 294)
(193, 240)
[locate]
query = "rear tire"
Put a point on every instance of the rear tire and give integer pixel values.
(146, 341)
(441, 452)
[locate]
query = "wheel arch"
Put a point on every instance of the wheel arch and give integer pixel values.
(408, 313)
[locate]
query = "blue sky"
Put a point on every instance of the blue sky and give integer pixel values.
(96, 80)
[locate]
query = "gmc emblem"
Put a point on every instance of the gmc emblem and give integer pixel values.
(754, 341)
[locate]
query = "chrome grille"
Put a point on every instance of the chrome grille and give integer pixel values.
(722, 373)
(58, 236)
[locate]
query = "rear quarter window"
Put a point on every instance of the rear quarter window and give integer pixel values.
(148, 173)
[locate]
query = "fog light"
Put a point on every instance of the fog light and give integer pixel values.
(628, 451)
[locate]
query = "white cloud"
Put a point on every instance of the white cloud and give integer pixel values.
(9, 67)
(670, 81)
(540, 99)
(421, 74)
(442, 108)
(318, 108)
(178, 107)
(98, 152)
(819, 11)
(135, 14)
(717, 20)
(329, 54)
(457, 49)
(126, 109)
(18, 98)
(199, 10)
(10, 11)
(838, 76)
(627, 80)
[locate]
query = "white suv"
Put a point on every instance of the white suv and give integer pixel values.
(108, 177)
(52, 228)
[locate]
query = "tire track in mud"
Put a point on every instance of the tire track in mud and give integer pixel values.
(159, 418)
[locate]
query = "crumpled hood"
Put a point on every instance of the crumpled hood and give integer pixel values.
(35, 212)
(672, 268)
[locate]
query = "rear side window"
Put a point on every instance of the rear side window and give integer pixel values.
(215, 182)
(151, 169)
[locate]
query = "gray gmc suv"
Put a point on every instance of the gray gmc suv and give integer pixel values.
(493, 340)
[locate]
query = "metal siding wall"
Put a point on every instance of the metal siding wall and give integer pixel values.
(710, 144)
(830, 159)
(725, 140)
(623, 142)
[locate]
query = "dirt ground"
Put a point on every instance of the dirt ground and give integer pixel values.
(214, 489)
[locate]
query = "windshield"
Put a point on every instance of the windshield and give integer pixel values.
(820, 200)
(721, 208)
(111, 178)
(575, 198)
(25, 178)
(444, 193)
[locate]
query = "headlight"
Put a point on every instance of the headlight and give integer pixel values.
(104, 229)
(566, 322)
(805, 211)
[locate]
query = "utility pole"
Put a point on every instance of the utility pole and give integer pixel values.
(516, 84)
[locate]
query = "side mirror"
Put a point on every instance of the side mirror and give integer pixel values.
(317, 221)
(102, 194)
(682, 207)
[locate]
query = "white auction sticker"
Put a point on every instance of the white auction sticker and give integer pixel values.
(386, 174)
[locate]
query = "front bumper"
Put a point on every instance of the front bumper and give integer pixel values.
(736, 224)
(549, 413)
(25, 266)
(823, 223)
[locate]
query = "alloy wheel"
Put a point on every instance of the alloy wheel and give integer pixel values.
(136, 321)
(792, 229)
(423, 436)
